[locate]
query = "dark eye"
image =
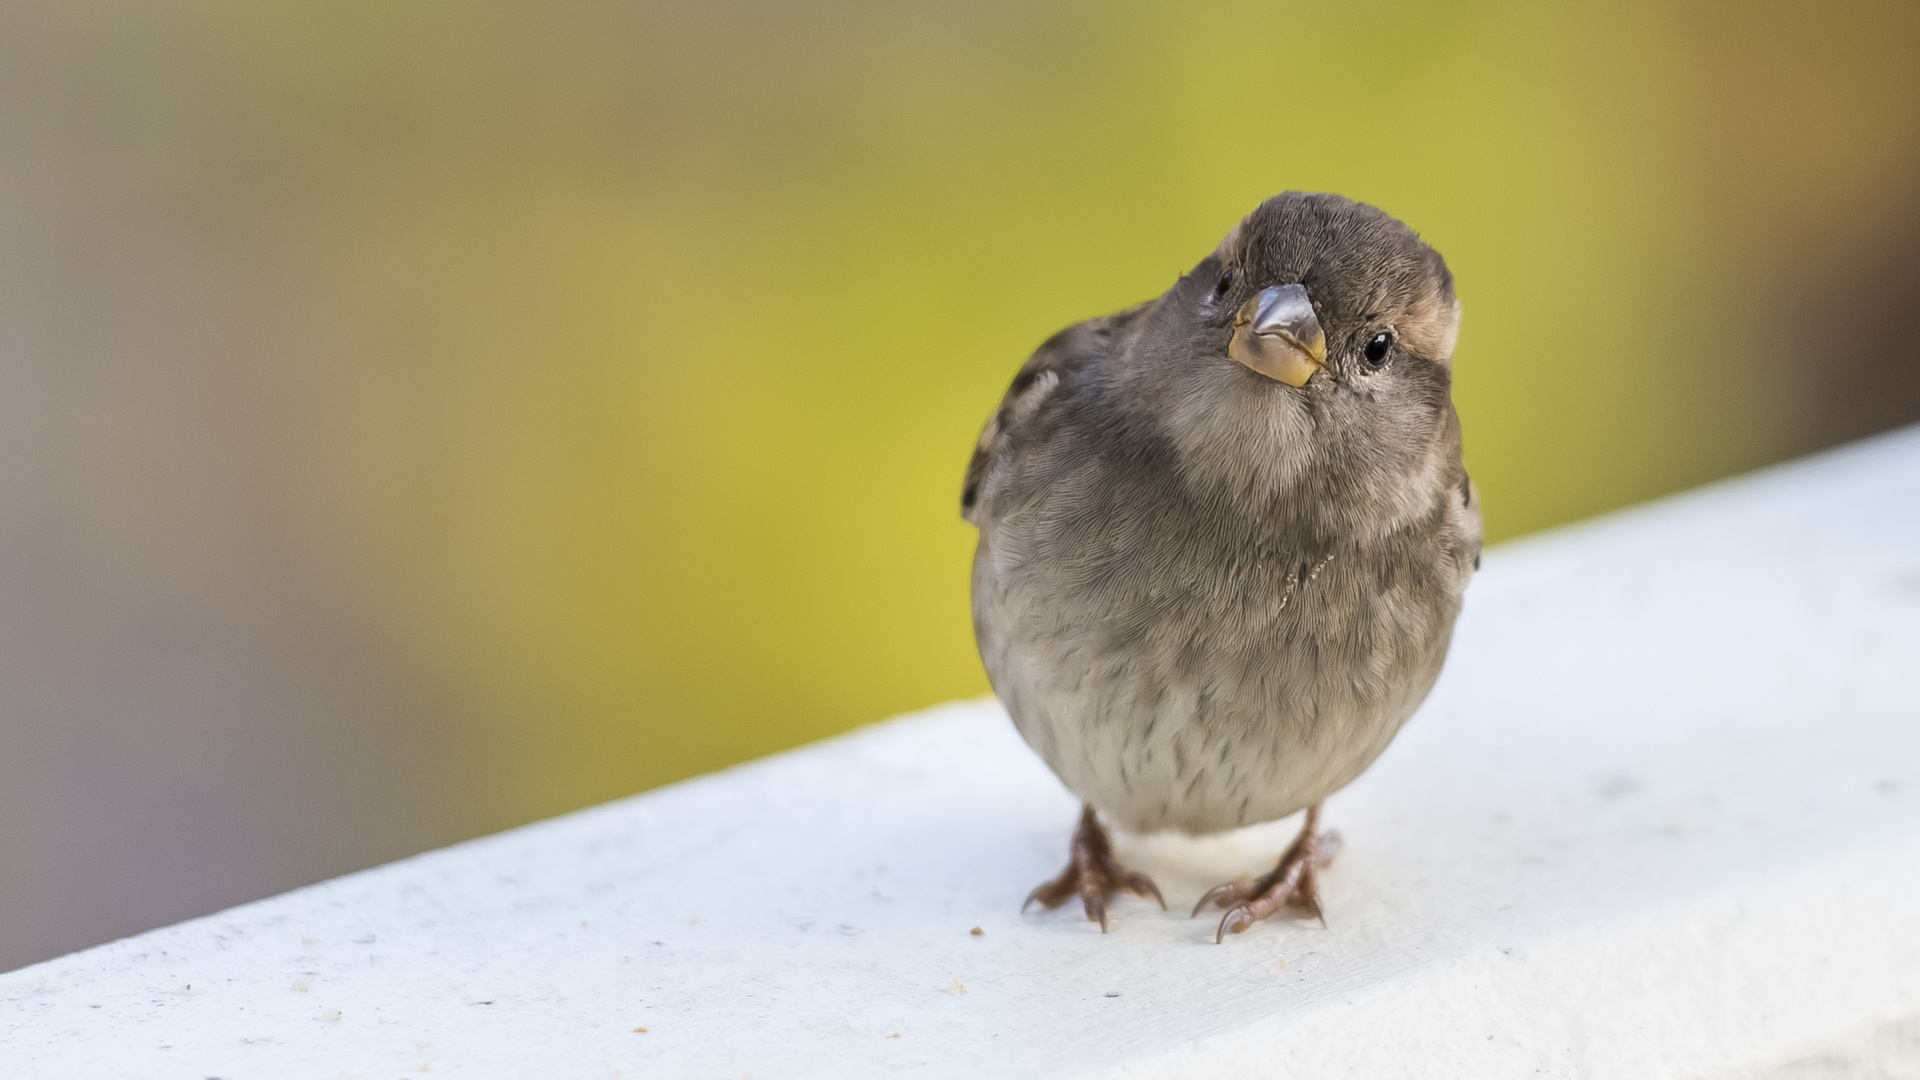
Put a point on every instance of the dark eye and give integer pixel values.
(1378, 348)
(1226, 282)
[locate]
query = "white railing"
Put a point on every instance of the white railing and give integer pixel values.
(1660, 819)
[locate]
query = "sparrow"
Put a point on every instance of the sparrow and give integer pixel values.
(1223, 538)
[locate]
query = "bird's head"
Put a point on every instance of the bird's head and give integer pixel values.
(1308, 359)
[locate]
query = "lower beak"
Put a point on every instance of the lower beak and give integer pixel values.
(1277, 334)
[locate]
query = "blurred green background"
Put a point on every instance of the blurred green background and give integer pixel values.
(417, 419)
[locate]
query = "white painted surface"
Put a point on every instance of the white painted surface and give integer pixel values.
(1660, 819)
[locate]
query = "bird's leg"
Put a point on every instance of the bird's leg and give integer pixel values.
(1093, 874)
(1294, 883)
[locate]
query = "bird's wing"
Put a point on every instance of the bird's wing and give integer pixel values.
(1040, 381)
(1470, 515)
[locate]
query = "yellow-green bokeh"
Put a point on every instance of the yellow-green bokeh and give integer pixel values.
(631, 355)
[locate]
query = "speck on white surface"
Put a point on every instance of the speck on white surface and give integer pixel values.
(1660, 819)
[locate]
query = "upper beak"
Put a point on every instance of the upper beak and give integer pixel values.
(1277, 335)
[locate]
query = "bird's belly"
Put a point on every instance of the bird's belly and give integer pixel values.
(1214, 708)
(1156, 752)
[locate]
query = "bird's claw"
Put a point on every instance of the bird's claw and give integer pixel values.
(1236, 920)
(1223, 895)
(1293, 883)
(1093, 874)
(1141, 885)
(1045, 892)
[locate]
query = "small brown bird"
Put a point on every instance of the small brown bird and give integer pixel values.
(1223, 538)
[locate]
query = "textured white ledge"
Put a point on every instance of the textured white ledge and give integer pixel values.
(1661, 819)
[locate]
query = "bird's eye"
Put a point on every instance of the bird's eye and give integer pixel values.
(1378, 348)
(1226, 282)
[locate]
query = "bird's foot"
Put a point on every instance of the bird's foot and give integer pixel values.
(1093, 874)
(1295, 883)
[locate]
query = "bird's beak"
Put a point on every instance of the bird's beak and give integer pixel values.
(1277, 335)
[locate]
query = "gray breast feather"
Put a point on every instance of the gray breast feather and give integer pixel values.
(1180, 664)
